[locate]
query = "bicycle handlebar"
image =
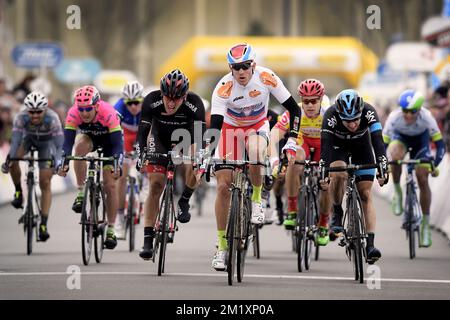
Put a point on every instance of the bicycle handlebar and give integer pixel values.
(90, 158)
(352, 167)
(413, 162)
(30, 159)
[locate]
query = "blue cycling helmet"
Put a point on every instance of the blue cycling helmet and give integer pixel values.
(240, 53)
(411, 100)
(349, 104)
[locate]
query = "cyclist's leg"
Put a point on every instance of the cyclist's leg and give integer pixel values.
(16, 175)
(364, 189)
(364, 184)
(257, 143)
(422, 173)
(337, 188)
(109, 184)
(45, 176)
(156, 170)
(222, 207)
(338, 180)
(190, 184)
(397, 151)
(121, 195)
(293, 179)
(83, 145)
(324, 200)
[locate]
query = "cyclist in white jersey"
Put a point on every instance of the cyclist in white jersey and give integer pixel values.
(412, 126)
(239, 109)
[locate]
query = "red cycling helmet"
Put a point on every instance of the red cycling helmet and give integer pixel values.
(311, 87)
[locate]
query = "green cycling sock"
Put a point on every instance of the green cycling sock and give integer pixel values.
(256, 195)
(223, 245)
(398, 188)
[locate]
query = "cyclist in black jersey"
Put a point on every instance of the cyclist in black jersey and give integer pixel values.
(171, 115)
(351, 126)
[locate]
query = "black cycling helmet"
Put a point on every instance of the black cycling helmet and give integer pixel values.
(174, 84)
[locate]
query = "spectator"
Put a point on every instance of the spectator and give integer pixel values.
(21, 90)
(440, 108)
(8, 107)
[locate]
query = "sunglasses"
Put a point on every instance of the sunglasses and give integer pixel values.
(131, 102)
(308, 101)
(242, 65)
(85, 109)
(36, 112)
(409, 111)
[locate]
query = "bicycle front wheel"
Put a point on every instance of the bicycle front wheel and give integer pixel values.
(356, 215)
(244, 238)
(309, 231)
(410, 225)
(131, 214)
(164, 227)
(255, 241)
(300, 229)
(87, 219)
(232, 234)
(99, 227)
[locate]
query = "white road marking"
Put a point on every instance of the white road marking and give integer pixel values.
(263, 276)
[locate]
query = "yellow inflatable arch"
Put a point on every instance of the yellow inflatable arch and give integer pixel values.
(345, 57)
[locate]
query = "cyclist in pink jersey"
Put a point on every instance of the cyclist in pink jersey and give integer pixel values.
(98, 126)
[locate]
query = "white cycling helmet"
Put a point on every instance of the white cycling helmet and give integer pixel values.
(36, 101)
(132, 90)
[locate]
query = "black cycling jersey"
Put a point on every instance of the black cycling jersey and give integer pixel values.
(190, 115)
(337, 140)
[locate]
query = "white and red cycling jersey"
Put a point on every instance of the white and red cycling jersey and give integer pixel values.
(244, 109)
(243, 106)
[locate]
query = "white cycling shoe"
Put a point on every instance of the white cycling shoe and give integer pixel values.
(257, 213)
(219, 260)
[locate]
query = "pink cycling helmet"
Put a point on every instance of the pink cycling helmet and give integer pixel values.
(86, 96)
(311, 87)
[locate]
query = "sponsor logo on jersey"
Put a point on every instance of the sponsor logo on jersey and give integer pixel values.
(225, 90)
(268, 79)
(332, 122)
(238, 98)
(370, 116)
(254, 93)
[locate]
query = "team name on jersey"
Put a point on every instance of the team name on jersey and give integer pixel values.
(191, 106)
(156, 104)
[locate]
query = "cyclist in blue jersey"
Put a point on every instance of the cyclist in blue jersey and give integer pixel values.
(129, 108)
(412, 126)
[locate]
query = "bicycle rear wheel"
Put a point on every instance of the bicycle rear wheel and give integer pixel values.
(87, 214)
(232, 234)
(99, 227)
(163, 232)
(247, 226)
